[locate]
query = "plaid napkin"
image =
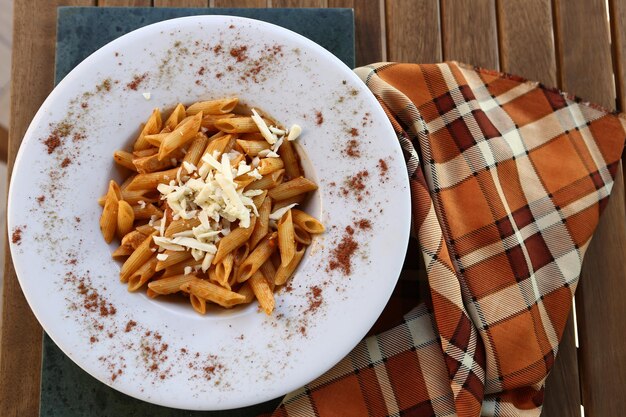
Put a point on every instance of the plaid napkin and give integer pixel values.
(508, 180)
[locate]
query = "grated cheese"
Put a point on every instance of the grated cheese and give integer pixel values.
(294, 132)
(162, 256)
(265, 131)
(281, 212)
(146, 96)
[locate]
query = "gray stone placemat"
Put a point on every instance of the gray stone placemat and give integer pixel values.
(67, 390)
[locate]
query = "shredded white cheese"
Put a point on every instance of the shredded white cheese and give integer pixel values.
(294, 132)
(187, 270)
(265, 131)
(146, 96)
(281, 212)
(162, 256)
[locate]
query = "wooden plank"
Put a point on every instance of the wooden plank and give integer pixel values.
(32, 77)
(413, 31)
(585, 64)
(522, 23)
(469, 32)
(181, 3)
(240, 3)
(369, 28)
(617, 10)
(124, 3)
(4, 144)
(299, 3)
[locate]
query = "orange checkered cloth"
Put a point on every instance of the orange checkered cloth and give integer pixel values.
(508, 180)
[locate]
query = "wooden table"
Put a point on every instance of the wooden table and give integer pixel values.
(564, 43)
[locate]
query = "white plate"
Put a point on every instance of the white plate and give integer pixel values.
(173, 356)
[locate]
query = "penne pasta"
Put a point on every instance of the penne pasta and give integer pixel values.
(237, 125)
(288, 153)
(256, 258)
(170, 285)
(301, 235)
(151, 293)
(180, 267)
(307, 222)
(125, 218)
(145, 229)
(108, 219)
(269, 272)
(137, 258)
(183, 133)
(224, 268)
(146, 211)
(220, 106)
(262, 292)
(259, 199)
(122, 251)
(292, 188)
(196, 149)
(146, 271)
(152, 180)
(172, 258)
(180, 225)
(253, 147)
(283, 273)
(198, 304)
(212, 292)
(208, 120)
(151, 163)
(233, 240)
(269, 165)
(261, 228)
(220, 144)
(269, 181)
(286, 239)
(124, 159)
(152, 126)
(177, 116)
(156, 139)
(145, 152)
(246, 291)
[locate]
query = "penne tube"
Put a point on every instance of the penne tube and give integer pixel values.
(196, 149)
(269, 165)
(286, 239)
(183, 133)
(262, 292)
(170, 285)
(142, 275)
(147, 211)
(156, 139)
(221, 144)
(224, 268)
(152, 180)
(307, 222)
(246, 291)
(122, 251)
(259, 255)
(240, 254)
(152, 126)
(134, 238)
(208, 120)
(261, 228)
(179, 268)
(283, 273)
(177, 116)
(145, 152)
(213, 277)
(151, 293)
(108, 219)
(290, 158)
(137, 258)
(292, 188)
(237, 125)
(301, 235)
(288, 201)
(269, 181)
(233, 240)
(147, 164)
(134, 197)
(212, 292)
(252, 136)
(173, 258)
(124, 159)
(145, 229)
(269, 272)
(220, 106)
(253, 147)
(125, 218)
(198, 304)
(180, 225)
(259, 199)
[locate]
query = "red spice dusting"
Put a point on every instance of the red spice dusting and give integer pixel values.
(92, 301)
(92, 340)
(16, 237)
(230, 68)
(137, 80)
(352, 149)
(78, 136)
(130, 325)
(217, 49)
(319, 118)
(219, 75)
(73, 261)
(239, 53)
(52, 143)
(41, 199)
(383, 168)
(77, 219)
(355, 185)
(332, 184)
(354, 132)
(66, 162)
(117, 54)
(342, 254)
(363, 224)
(183, 350)
(84, 105)
(231, 27)
(349, 230)
(201, 71)
(59, 132)
(314, 297)
(302, 330)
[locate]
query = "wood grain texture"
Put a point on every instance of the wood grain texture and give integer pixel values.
(369, 27)
(4, 144)
(617, 10)
(240, 3)
(124, 3)
(413, 33)
(522, 23)
(32, 78)
(586, 69)
(181, 3)
(469, 32)
(299, 3)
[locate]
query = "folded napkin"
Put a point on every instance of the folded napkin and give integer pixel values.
(508, 180)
